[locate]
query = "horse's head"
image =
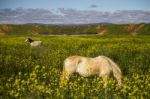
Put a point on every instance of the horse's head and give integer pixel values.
(29, 40)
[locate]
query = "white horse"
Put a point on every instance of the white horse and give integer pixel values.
(86, 67)
(33, 43)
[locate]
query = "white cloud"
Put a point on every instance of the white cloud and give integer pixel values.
(72, 16)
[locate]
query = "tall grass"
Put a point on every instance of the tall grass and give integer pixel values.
(27, 72)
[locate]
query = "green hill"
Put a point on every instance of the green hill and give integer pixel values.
(100, 29)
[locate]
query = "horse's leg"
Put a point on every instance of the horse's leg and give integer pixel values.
(105, 78)
(65, 75)
(119, 82)
(118, 78)
(105, 70)
(64, 78)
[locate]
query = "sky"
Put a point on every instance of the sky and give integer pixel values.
(74, 11)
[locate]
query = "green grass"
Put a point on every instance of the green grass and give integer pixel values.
(27, 72)
(114, 29)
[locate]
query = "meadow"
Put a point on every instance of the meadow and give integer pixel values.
(34, 73)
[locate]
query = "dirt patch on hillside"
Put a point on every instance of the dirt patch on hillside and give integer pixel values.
(134, 27)
(104, 32)
(6, 28)
(1, 34)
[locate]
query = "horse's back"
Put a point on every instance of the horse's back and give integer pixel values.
(36, 43)
(88, 67)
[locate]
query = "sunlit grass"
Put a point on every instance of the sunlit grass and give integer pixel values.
(27, 72)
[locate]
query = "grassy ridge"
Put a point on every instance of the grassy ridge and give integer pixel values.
(34, 72)
(101, 29)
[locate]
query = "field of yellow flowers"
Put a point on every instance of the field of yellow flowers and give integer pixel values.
(34, 73)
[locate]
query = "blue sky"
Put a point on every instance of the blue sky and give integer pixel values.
(74, 11)
(100, 5)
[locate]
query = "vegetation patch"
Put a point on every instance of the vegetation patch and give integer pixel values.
(27, 72)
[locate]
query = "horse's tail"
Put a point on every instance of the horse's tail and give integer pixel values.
(116, 70)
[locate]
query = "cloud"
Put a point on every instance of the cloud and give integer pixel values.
(126, 16)
(93, 6)
(71, 16)
(20, 15)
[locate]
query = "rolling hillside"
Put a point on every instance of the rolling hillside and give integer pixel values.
(99, 29)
